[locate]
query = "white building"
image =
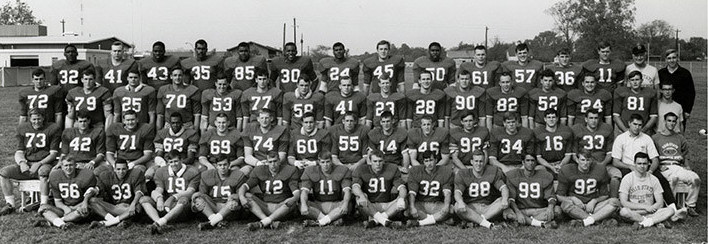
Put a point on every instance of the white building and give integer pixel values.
(26, 51)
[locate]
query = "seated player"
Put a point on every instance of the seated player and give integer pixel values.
(177, 182)
(221, 100)
(307, 142)
(425, 101)
(41, 96)
(428, 138)
(466, 139)
(641, 196)
(262, 96)
(131, 141)
(90, 97)
(634, 99)
(262, 138)
(553, 142)
(463, 98)
(329, 186)
(584, 193)
(279, 193)
(85, 143)
(349, 141)
(72, 189)
(391, 141)
(506, 98)
(545, 97)
(224, 141)
(508, 145)
(338, 103)
(532, 200)
(181, 98)
(332, 69)
(386, 100)
(429, 191)
(217, 197)
(37, 150)
(301, 101)
(135, 96)
(383, 192)
(120, 190)
(485, 192)
(589, 96)
(176, 136)
(597, 137)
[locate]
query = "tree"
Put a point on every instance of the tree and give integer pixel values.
(693, 49)
(656, 35)
(565, 24)
(545, 45)
(320, 52)
(463, 47)
(19, 14)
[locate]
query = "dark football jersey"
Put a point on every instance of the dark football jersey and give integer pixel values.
(48, 99)
(376, 104)
(599, 142)
(202, 73)
(177, 182)
(461, 102)
(185, 101)
(294, 108)
(579, 102)
(336, 106)
(672, 148)
(308, 146)
(276, 139)
(585, 186)
(332, 70)
(391, 145)
(540, 101)
(214, 103)
(525, 76)
(466, 142)
(83, 147)
(38, 143)
(443, 70)
(498, 102)
(553, 146)
(129, 145)
(566, 77)
(606, 75)
(141, 101)
(484, 189)
(429, 187)
(243, 73)
(286, 73)
(67, 75)
(157, 74)
(532, 191)
(627, 102)
(221, 189)
(116, 191)
(115, 76)
(92, 102)
(484, 77)
(326, 187)
(381, 186)
(252, 101)
(349, 147)
(275, 189)
(431, 104)
(186, 139)
(510, 149)
(394, 66)
(437, 141)
(211, 144)
(71, 189)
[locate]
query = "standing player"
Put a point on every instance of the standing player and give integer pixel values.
(480, 192)
(382, 62)
(178, 98)
(509, 144)
(467, 139)
(386, 100)
(349, 141)
(483, 73)
(202, 67)
(463, 98)
(286, 71)
(587, 97)
(428, 138)
(545, 97)
(92, 98)
(532, 200)
(565, 71)
(426, 206)
(301, 101)
(41, 96)
(131, 141)
(265, 137)
(442, 68)
(330, 187)
(525, 69)
(634, 100)
(650, 75)
(641, 196)
(242, 69)
(506, 98)
(121, 190)
(72, 189)
(217, 197)
(337, 104)
(222, 141)
(607, 72)
(85, 143)
(554, 145)
(332, 69)
(391, 141)
(135, 96)
(155, 71)
(115, 69)
(178, 137)
(263, 96)
(379, 190)
(66, 73)
(682, 80)
(425, 101)
(307, 142)
(221, 100)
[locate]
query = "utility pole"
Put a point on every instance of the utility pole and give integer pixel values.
(62, 26)
(486, 29)
(677, 44)
(294, 30)
(283, 37)
(301, 43)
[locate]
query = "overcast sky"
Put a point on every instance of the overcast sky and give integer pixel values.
(359, 24)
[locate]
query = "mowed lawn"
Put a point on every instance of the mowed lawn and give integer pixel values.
(16, 228)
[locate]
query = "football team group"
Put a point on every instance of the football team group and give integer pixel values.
(484, 144)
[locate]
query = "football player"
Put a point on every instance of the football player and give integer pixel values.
(121, 190)
(442, 68)
(155, 70)
(85, 143)
(181, 98)
(525, 69)
(641, 196)
(667, 105)
(41, 96)
(480, 192)
(338, 103)
(425, 101)
(391, 141)
(262, 96)
(265, 137)
(380, 191)
(532, 200)
(285, 71)
(333, 68)
(349, 141)
(553, 142)
(224, 141)
(202, 67)
(483, 73)
(426, 204)
(634, 100)
(301, 101)
(66, 73)
(73, 190)
(466, 139)
(280, 192)
(307, 142)
(650, 75)
(597, 137)
(178, 137)
(506, 98)
(584, 194)
(242, 68)
(221, 100)
(545, 97)
(566, 72)
(217, 197)
(607, 72)
(587, 97)
(428, 138)
(330, 187)
(131, 141)
(177, 182)
(135, 96)
(94, 99)
(464, 98)
(115, 69)
(394, 66)
(37, 150)
(509, 144)
(386, 100)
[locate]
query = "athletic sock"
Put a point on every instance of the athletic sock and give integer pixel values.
(108, 216)
(647, 222)
(381, 218)
(588, 221)
(266, 221)
(536, 223)
(430, 220)
(215, 219)
(111, 221)
(324, 220)
(58, 222)
(10, 200)
(485, 224)
(43, 199)
(161, 222)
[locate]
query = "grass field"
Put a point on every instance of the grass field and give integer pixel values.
(16, 228)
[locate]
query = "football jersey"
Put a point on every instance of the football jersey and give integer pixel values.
(376, 104)
(392, 145)
(672, 148)
(114, 76)
(202, 73)
(116, 191)
(186, 139)
(437, 141)
(308, 146)
(156, 74)
(211, 144)
(372, 68)
(484, 189)
(185, 101)
(214, 103)
(443, 70)
(48, 99)
(461, 102)
(177, 182)
(553, 146)
(484, 77)
(525, 76)
(429, 187)
(583, 185)
(431, 104)
(286, 73)
(627, 102)
(606, 75)
(67, 75)
(336, 106)
(274, 188)
(333, 69)
(598, 142)
(567, 77)
(540, 101)
(38, 143)
(243, 73)
(276, 139)
(579, 102)
(378, 187)
(510, 149)
(498, 102)
(466, 142)
(221, 189)
(71, 189)
(129, 145)
(294, 108)
(252, 101)
(92, 102)
(532, 191)
(83, 147)
(349, 147)
(326, 187)
(141, 101)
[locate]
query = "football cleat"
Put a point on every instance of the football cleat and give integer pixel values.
(155, 229)
(205, 226)
(412, 223)
(550, 225)
(679, 214)
(253, 226)
(664, 225)
(67, 226)
(123, 225)
(338, 222)
(41, 223)
(222, 225)
(96, 224)
(610, 223)
(310, 223)
(396, 225)
(496, 227)
(691, 212)
(275, 225)
(576, 223)
(7, 209)
(637, 226)
(368, 224)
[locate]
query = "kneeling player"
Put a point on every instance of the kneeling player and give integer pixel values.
(532, 199)
(642, 197)
(425, 203)
(215, 193)
(72, 189)
(121, 189)
(330, 186)
(486, 194)
(384, 192)
(177, 181)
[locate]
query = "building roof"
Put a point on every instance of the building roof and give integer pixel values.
(257, 44)
(56, 40)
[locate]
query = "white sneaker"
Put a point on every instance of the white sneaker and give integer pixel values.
(680, 214)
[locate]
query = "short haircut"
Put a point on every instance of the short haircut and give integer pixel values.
(377, 153)
(172, 69)
(426, 72)
(603, 44)
(83, 114)
(117, 43)
(176, 115)
(130, 112)
(521, 47)
(337, 44)
(38, 72)
(563, 51)
(634, 117)
(69, 158)
(88, 72)
(670, 114)
(324, 155)
(244, 45)
(641, 155)
(291, 44)
(221, 75)
(383, 42)
(588, 74)
(434, 44)
(477, 152)
(36, 111)
(639, 49)
(427, 117)
(592, 111)
(308, 115)
(428, 154)
(134, 70)
(158, 44)
(121, 161)
(272, 154)
(174, 154)
(480, 47)
(504, 73)
(384, 76)
(669, 52)
(261, 72)
(222, 115)
(585, 153)
(200, 42)
(266, 111)
(464, 72)
(550, 111)
(510, 115)
(547, 73)
(469, 113)
(69, 46)
(635, 73)
(220, 157)
(387, 114)
(350, 113)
